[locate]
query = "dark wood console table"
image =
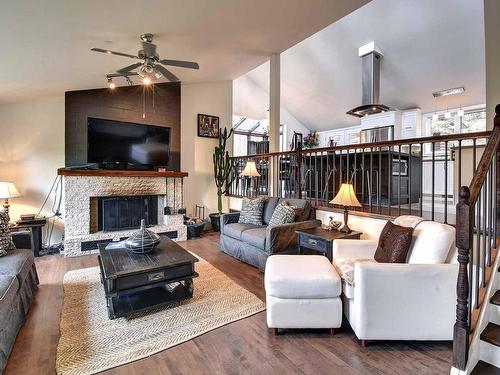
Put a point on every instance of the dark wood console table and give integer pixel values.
(321, 240)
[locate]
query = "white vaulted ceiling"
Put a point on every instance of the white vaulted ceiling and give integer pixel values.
(428, 45)
(45, 45)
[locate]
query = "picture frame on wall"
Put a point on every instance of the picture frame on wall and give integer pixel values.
(208, 126)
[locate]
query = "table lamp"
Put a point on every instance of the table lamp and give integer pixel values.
(8, 190)
(250, 171)
(347, 198)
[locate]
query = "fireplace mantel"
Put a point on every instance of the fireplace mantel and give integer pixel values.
(117, 173)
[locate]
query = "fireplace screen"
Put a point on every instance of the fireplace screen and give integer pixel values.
(121, 213)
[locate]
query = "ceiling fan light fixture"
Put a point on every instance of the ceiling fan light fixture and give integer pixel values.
(146, 80)
(111, 84)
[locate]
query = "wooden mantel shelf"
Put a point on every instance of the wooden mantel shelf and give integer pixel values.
(117, 173)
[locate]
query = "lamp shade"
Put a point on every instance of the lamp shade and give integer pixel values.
(8, 190)
(250, 170)
(346, 197)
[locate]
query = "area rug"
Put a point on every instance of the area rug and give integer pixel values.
(90, 342)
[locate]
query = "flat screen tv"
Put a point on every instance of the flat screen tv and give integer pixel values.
(125, 145)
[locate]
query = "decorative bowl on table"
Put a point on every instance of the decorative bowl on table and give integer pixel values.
(334, 224)
(142, 241)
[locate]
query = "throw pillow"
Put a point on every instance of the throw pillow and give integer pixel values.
(283, 214)
(251, 211)
(5, 236)
(393, 244)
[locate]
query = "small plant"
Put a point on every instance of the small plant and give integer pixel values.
(311, 140)
(223, 167)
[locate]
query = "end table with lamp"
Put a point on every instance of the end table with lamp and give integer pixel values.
(28, 223)
(321, 240)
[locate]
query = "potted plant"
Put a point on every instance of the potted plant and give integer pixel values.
(223, 175)
(311, 140)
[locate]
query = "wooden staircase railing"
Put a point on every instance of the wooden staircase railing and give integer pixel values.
(477, 214)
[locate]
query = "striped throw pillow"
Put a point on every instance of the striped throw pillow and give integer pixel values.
(251, 211)
(283, 214)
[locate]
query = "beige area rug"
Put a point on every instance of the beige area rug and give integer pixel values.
(90, 342)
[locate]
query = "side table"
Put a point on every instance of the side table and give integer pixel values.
(35, 227)
(321, 240)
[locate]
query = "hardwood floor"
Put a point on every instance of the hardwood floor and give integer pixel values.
(243, 347)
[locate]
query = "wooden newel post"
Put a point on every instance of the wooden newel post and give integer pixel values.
(464, 236)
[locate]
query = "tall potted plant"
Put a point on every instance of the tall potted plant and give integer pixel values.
(223, 174)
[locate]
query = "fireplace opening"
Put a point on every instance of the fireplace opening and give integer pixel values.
(126, 212)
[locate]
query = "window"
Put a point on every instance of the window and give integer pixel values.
(474, 120)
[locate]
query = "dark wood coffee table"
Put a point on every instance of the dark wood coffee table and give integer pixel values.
(139, 282)
(321, 240)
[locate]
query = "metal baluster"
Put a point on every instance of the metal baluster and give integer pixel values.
(389, 181)
(421, 178)
(485, 213)
(348, 167)
(459, 164)
(433, 178)
(399, 181)
(354, 172)
(478, 250)
(363, 170)
(340, 175)
(370, 180)
(409, 177)
(490, 214)
(446, 182)
(379, 181)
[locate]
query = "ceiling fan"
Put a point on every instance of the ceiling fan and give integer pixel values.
(150, 66)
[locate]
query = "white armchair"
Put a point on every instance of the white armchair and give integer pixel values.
(394, 301)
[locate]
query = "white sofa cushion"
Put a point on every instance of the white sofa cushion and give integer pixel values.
(431, 243)
(345, 268)
(301, 276)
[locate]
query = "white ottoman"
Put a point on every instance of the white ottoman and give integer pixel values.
(302, 291)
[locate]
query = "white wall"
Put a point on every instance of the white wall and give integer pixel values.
(492, 58)
(31, 150)
(251, 100)
(291, 125)
(212, 98)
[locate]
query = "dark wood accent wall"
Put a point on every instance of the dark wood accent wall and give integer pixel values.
(162, 106)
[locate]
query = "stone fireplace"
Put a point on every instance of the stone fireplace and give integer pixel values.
(85, 191)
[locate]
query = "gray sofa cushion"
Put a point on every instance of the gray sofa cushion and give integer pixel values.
(235, 230)
(299, 203)
(269, 207)
(255, 237)
(9, 287)
(17, 263)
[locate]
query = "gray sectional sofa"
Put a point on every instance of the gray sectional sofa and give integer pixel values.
(252, 244)
(18, 283)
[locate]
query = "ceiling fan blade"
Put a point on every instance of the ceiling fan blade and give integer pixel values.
(129, 68)
(149, 49)
(180, 63)
(167, 73)
(114, 53)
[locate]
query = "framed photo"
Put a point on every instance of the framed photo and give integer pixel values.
(208, 126)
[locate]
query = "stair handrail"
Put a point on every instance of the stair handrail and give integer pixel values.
(468, 197)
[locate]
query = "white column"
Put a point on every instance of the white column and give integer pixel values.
(274, 103)
(492, 57)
